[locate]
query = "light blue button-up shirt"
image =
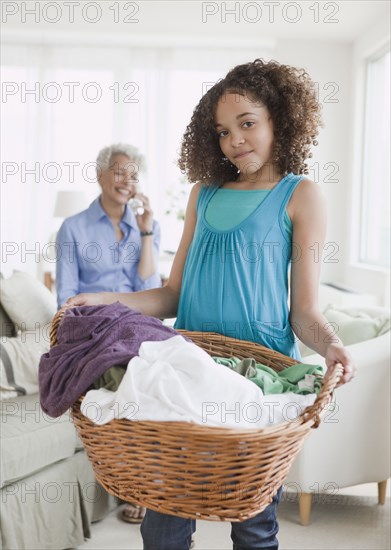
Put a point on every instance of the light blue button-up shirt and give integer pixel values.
(90, 259)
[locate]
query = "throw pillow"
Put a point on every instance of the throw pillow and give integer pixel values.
(7, 328)
(19, 363)
(27, 301)
(353, 325)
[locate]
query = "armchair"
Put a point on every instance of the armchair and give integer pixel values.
(352, 445)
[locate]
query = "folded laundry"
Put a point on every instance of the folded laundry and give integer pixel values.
(176, 380)
(91, 339)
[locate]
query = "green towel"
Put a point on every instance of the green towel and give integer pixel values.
(110, 379)
(292, 379)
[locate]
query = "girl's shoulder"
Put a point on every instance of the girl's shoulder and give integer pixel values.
(307, 189)
(195, 191)
(307, 195)
(201, 191)
(194, 196)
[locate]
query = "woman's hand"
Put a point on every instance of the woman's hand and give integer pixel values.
(337, 353)
(88, 299)
(144, 220)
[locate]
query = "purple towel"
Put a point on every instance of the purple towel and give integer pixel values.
(91, 339)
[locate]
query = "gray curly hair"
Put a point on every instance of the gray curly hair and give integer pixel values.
(106, 154)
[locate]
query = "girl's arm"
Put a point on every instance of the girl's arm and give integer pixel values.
(307, 210)
(158, 302)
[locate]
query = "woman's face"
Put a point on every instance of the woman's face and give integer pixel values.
(119, 180)
(245, 131)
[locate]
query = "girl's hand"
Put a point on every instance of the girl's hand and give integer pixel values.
(337, 353)
(86, 299)
(144, 220)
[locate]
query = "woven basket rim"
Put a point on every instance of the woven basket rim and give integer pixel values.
(215, 431)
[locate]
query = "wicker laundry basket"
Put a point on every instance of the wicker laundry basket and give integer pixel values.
(196, 471)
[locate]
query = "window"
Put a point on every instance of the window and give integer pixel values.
(375, 199)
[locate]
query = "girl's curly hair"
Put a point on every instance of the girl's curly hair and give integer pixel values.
(290, 97)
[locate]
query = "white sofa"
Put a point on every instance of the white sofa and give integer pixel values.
(352, 444)
(48, 492)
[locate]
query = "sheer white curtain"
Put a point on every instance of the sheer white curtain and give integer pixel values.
(62, 104)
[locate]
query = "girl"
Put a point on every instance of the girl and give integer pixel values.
(251, 215)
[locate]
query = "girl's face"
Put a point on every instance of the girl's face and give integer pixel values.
(245, 131)
(119, 180)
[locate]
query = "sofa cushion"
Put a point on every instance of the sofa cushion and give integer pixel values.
(30, 440)
(20, 356)
(27, 301)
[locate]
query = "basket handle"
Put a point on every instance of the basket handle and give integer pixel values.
(330, 382)
(56, 322)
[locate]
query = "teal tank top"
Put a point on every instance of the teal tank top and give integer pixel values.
(235, 281)
(229, 207)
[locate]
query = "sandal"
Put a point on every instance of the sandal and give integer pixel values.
(132, 513)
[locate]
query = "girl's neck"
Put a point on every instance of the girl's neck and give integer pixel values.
(114, 211)
(265, 178)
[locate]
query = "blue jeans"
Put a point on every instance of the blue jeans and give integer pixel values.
(166, 532)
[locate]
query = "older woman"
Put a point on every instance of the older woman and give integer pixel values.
(110, 246)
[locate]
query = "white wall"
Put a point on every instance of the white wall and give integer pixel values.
(331, 156)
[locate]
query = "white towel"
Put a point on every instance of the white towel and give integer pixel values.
(175, 380)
